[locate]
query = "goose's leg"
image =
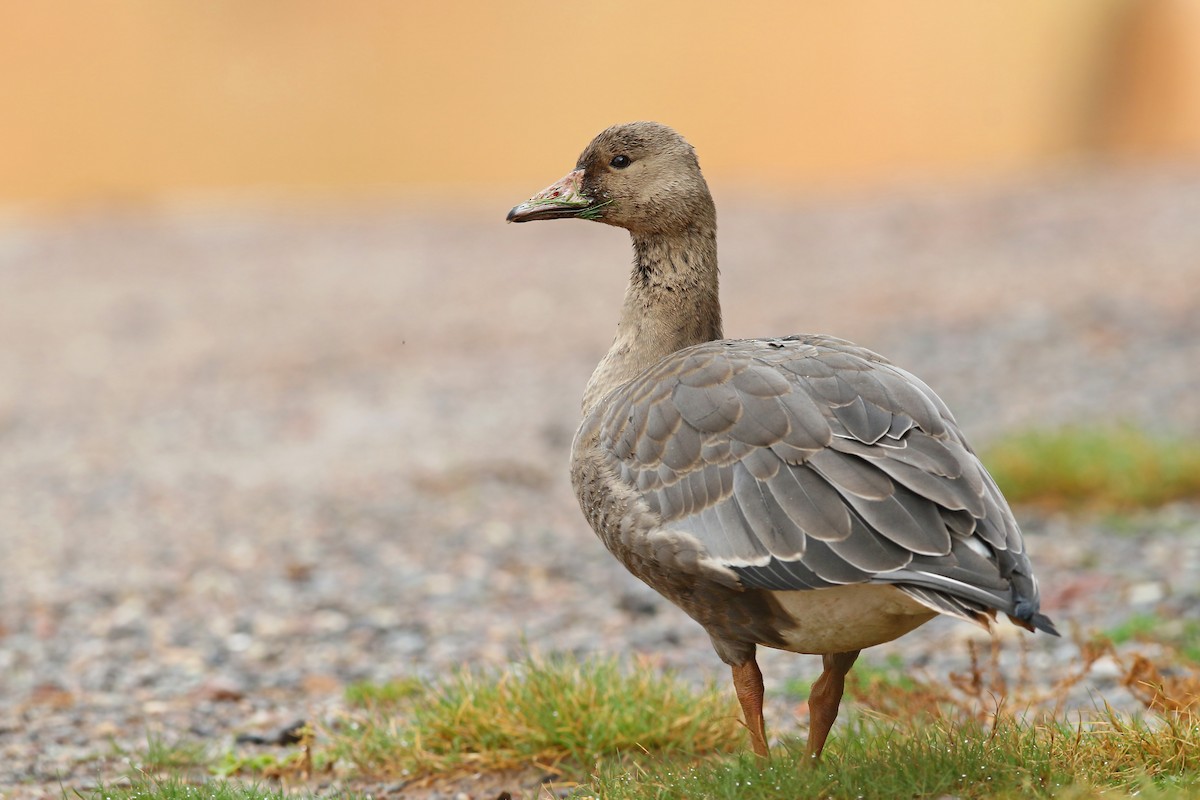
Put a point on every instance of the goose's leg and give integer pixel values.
(748, 683)
(824, 699)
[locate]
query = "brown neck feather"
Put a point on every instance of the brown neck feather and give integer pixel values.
(671, 303)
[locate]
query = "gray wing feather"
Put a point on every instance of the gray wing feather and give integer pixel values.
(812, 505)
(870, 552)
(710, 409)
(908, 520)
(809, 462)
(682, 449)
(943, 479)
(865, 421)
(853, 477)
(764, 518)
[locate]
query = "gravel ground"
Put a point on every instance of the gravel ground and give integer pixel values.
(250, 456)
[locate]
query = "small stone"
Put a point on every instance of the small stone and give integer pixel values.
(221, 689)
(1106, 668)
(51, 695)
(638, 604)
(1141, 594)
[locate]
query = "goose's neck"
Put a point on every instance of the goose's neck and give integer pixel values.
(671, 303)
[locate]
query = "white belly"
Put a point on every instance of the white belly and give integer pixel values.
(848, 617)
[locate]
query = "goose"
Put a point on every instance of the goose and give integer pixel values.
(800, 493)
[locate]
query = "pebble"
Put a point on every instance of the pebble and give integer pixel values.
(1144, 594)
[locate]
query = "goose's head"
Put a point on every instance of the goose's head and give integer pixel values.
(641, 176)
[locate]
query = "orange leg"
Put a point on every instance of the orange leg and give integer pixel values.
(824, 699)
(748, 683)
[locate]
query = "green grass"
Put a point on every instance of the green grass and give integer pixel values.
(634, 732)
(594, 212)
(174, 787)
(365, 694)
(1113, 469)
(161, 756)
(541, 711)
(1181, 634)
(870, 758)
(271, 765)
(590, 211)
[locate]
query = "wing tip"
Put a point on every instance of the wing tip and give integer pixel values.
(1026, 615)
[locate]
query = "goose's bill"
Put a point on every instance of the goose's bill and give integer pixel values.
(562, 199)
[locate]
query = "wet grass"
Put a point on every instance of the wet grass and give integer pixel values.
(943, 758)
(175, 787)
(1105, 470)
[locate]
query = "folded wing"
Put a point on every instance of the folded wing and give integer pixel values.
(809, 462)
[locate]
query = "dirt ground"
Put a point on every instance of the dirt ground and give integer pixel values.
(250, 455)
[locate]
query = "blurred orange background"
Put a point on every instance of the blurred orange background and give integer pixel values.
(138, 100)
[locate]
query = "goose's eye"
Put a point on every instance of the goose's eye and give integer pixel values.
(619, 162)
